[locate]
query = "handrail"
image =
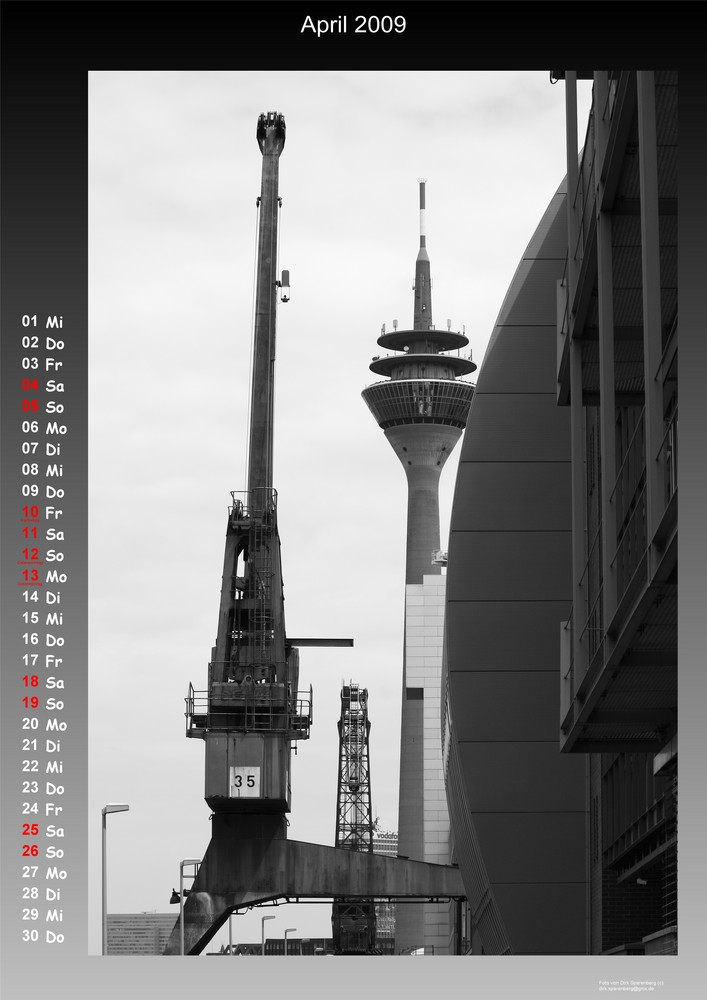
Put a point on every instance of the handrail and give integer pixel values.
(624, 530)
(259, 714)
(590, 553)
(639, 424)
(568, 626)
(669, 426)
(246, 505)
(668, 345)
(436, 381)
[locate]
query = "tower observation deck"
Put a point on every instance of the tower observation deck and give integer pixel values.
(422, 408)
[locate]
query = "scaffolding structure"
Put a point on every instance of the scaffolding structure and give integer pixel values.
(354, 920)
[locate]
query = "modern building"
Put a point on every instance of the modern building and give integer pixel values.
(278, 946)
(559, 725)
(517, 806)
(617, 374)
(138, 933)
(385, 842)
(422, 408)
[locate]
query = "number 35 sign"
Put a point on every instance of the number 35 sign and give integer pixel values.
(245, 783)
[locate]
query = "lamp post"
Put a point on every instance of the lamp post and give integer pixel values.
(110, 808)
(262, 933)
(287, 930)
(187, 861)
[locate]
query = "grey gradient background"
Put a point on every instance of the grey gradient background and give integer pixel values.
(44, 261)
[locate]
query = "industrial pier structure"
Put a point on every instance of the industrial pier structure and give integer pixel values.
(251, 711)
(354, 921)
(422, 407)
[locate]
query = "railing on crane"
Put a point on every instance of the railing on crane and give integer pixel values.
(251, 709)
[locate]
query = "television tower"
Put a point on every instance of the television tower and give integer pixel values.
(422, 408)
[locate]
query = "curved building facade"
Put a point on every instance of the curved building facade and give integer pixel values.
(518, 808)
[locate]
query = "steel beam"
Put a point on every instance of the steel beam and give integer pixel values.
(249, 861)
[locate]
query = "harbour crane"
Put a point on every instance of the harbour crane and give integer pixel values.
(251, 712)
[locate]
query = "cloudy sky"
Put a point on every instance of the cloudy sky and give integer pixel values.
(174, 176)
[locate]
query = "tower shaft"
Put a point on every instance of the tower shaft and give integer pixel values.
(422, 449)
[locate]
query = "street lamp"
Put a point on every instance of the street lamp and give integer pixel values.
(287, 930)
(111, 808)
(187, 861)
(262, 932)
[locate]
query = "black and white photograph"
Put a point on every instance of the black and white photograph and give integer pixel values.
(189, 209)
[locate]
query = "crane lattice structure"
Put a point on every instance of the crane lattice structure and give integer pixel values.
(354, 920)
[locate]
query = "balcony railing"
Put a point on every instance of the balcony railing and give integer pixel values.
(263, 708)
(592, 630)
(668, 451)
(405, 401)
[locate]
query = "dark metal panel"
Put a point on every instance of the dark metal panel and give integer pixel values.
(533, 302)
(504, 705)
(411, 842)
(503, 635)
(550, 238)
(530, 496)
(511, 427)
(511, 565)
(536, 915)
(512, 777)
(524, 361)
(523, 847)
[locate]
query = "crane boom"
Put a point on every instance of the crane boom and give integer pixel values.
(271, 139)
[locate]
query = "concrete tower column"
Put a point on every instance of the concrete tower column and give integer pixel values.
(422, 449)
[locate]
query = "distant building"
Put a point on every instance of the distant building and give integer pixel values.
(138, 933)
(385, 842)
(276, 946)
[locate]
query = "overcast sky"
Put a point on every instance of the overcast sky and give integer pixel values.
(174, 176)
